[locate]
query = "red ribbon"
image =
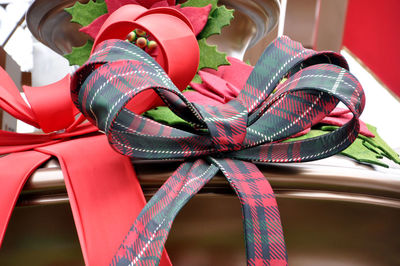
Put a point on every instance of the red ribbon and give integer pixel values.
(103, 190)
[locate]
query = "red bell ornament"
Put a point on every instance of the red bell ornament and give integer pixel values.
(179, 51)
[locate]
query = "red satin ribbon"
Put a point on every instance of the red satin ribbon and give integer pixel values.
(178, 54)
(103, 190)
(104, 193)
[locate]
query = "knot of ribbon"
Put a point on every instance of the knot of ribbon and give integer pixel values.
(290, 89)
(43, 105)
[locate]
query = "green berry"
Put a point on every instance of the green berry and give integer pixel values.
(131, 36)
(141, 42)
(152, 45)
(140, 32)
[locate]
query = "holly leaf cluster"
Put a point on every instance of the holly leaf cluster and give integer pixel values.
(218, 18)
(210, 57)
(84, 14)
(164, 115)
(80, 55)
(363, 149)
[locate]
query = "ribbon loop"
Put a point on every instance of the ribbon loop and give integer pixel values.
(50, 102)
(104, 87)
(300, 102)
(275, 62)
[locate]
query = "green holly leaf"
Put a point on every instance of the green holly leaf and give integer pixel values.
(381, 145)
(311, 134)
(363, 149)
(210, 57)
(84, 14)
(376, 145)
(358, 151)
(79, 55)
(197, 79)
(218, 18)
(164, 115)
(201, 3)
(373, 148)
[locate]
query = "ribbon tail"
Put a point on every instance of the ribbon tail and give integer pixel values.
(265, 244)
(104, 193)
(146, 238)
(15, 168)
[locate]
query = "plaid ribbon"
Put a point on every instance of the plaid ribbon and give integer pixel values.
(225, 138)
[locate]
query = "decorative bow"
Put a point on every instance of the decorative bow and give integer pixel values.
(91, 169)
(79, 153)
(228, 137)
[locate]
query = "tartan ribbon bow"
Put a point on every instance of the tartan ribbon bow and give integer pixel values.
(225, 138)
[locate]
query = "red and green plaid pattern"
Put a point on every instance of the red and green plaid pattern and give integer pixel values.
(228, 137)
(143, 243)
(262, 224)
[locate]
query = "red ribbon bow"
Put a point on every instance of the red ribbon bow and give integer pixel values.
(92, 170)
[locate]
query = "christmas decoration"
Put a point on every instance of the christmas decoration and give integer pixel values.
(206, 17)
(229, 116)
(225, 137)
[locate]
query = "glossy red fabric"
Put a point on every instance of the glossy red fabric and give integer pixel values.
(104, 193)
(198, 16)
(12, 102)
(63, 111)
(179, 56)
(220, 86)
